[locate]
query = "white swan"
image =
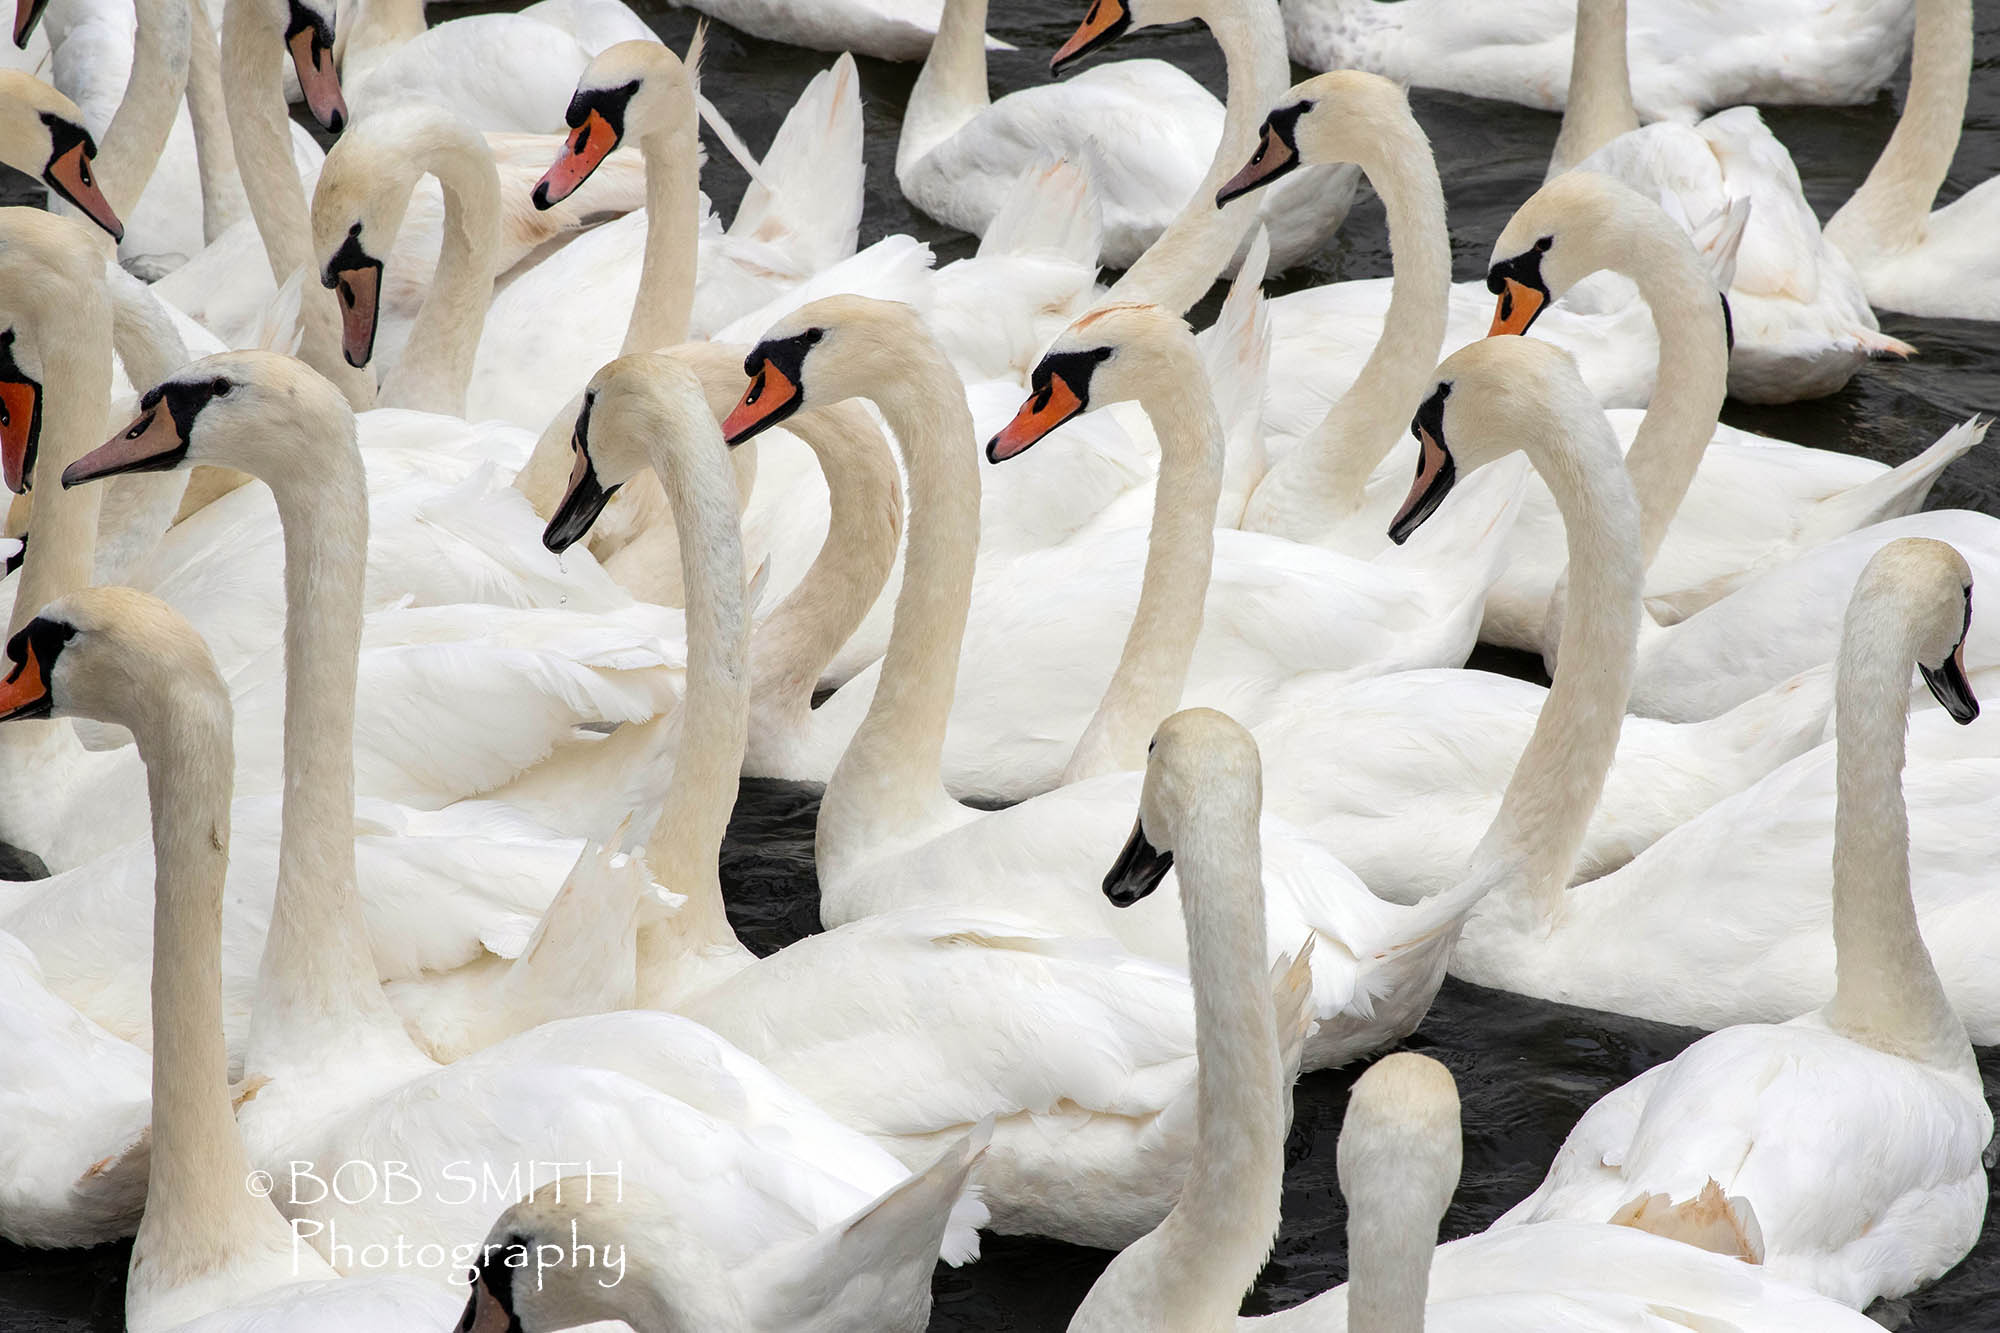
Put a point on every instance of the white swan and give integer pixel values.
(1399, 1147)
(209, 1253)
(1801, 324)
(1716, 511)
(1844, 1146)
(42, 135)
(885, 29)
(1910, 258)
(1790, 51)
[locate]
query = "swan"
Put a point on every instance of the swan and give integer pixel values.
(1080, 1053)
(1843, 1146)
(1910, 258)
(1399, 1146)
(888, 836)
(42, 135)
(1801, 323)
(209, 1253)
(345, 1082)
(1790, 51)
(1714, 517)
(884, 29)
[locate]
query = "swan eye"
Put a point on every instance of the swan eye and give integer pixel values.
(222, 388)
(1544, 244)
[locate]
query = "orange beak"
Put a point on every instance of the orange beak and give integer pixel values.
(770, 397)
(25, 692)
(588, 145)
(1055, 404)
(1516, 309)
(20, 428)
(1274, 157)
(360, 291)
(318, 80)
(1436, 473)
(70, 176)
(1106, 19)
(151, 440)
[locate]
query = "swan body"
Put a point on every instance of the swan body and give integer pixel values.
(885, 29)
(1832, 56)
(1881, 1075)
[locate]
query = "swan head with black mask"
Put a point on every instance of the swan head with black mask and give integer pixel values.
(1115, 354)
(1198, 758)
(832, 349)
(630, 91)
(42, 135)
(635, 399)
(308, 30)
(98, 653)
(1342, 116)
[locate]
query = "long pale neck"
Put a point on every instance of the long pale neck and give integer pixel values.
(892, 771)
(1178, 268)
(865, 499)
(318, 984)
(1324, 480)
(951, 89)
(222, 201)
(1196, 1266)
(436, 365)
(1890, 209)
(1159, 648)
(254, 98)
(1556, 784)
(1693, 370)
(1599, 108)
(1887, 994)
(1391, 1234)
(665, 301)
(161, 49)
(198, 1215)
(715, 712)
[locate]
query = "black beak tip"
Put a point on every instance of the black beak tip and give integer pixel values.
(541, 196)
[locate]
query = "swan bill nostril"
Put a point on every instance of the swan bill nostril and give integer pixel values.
(1517, 308)
(770, 397)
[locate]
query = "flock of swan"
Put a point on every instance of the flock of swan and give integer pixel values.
(413, 544)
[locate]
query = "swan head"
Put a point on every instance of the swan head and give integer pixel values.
(1578, 223)
(1107, 20)
(631, 88)
(52, 145)
(309, 37)
(645, 397)
(20, 409)
(1342, 116)
(1111, 355)
(825, 352)
(1199, 759)
(114, 654)
(245, 410)
(1401, 1147)
(1489, 399)
(1926, 586)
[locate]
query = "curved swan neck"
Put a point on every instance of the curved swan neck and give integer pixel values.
(133, 142)
(1887, 993)
(865, 524)
(1599, 106)
(1889, 210)
(1391, 1234)
(436, 366)
(665, 301)
(318, 986)
(1180, 554)
(1539, 828)
(714, 717)
(951, 89)
(1324, 479)
(254, 100)
(222, 201)
(1178, 268)
(198, 1216)
(892, 772)
(1192, 1270)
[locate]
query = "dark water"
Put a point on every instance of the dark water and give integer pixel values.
(1525, 1069)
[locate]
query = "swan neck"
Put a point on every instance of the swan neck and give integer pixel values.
(196, 1206)
(254, 103)
(1599, 106)
(891, 775)
(864, 527)
(1324, 481)
(1180, 553)
(1887, 993)
(1890, 209)
(1555, 786)
(436, 365)
(318, 982)
(715, 711)
(222, 201)
(951, 89)
(162, 45)
(1179, 267)
(665, 301)
(1390, 1238)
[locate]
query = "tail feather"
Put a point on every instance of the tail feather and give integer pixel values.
(810, 187)
(1054, 210)
(1894, 493)
(1292, 995)
(1708, 1221)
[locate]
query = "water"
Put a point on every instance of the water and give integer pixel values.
(1526, 1069)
